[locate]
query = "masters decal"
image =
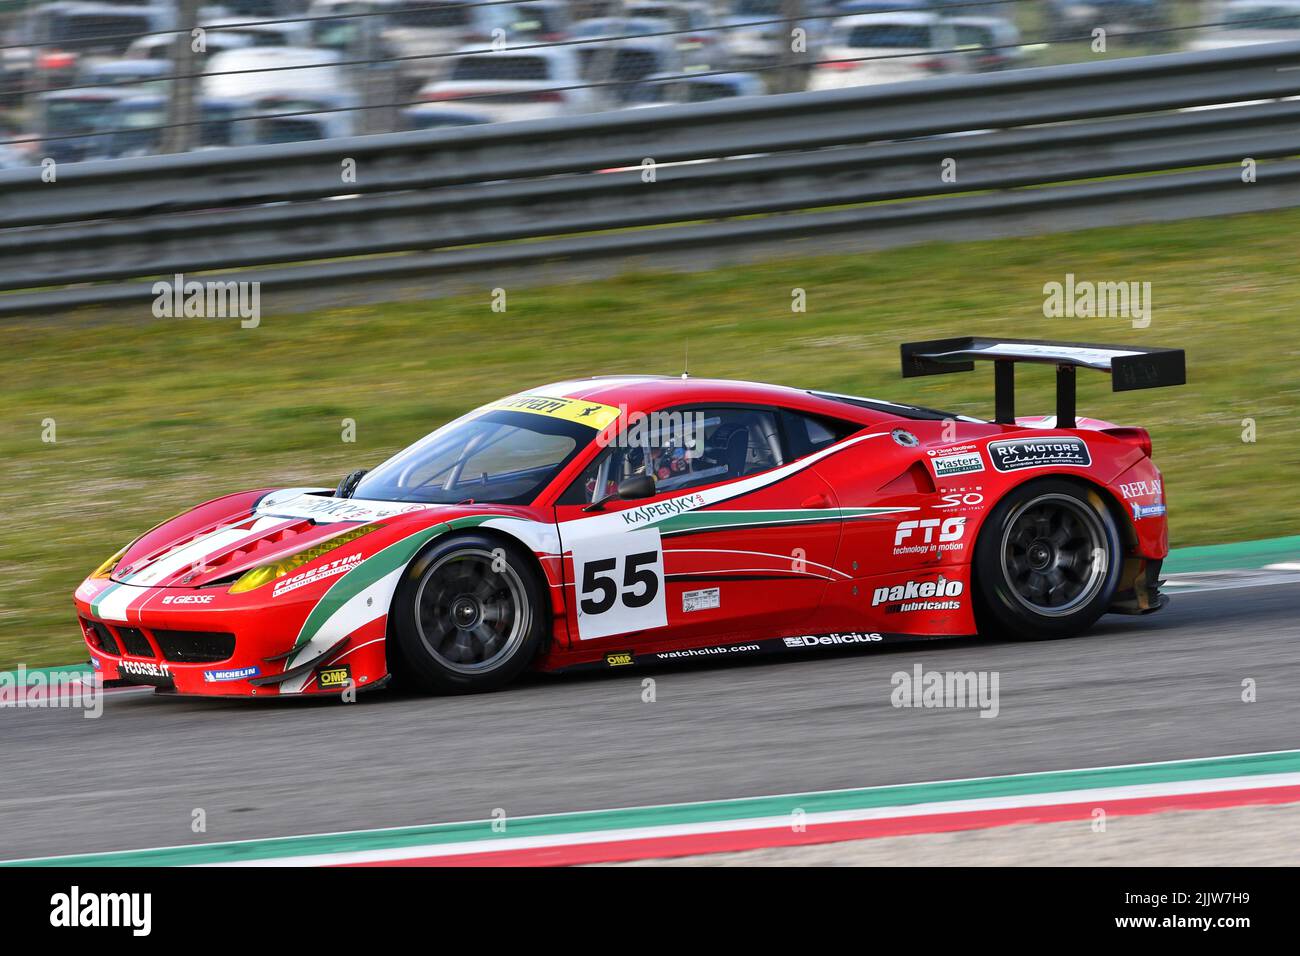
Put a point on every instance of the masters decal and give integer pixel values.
(963, 460)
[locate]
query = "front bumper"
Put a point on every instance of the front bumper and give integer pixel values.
(242, 649)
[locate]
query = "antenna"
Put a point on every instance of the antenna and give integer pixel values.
(686, 362)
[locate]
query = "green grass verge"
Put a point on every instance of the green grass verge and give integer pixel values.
(154, 416)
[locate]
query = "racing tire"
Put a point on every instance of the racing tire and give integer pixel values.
(1047, 561)
(469, 615)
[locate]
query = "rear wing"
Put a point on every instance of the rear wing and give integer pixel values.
(1130, 367)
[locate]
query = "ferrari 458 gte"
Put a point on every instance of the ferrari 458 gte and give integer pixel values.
(625, 520)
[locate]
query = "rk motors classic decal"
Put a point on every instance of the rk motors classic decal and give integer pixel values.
(1019, 454)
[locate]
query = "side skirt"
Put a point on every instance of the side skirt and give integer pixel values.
(800, 644)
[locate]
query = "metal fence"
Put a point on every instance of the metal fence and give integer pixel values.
(1025, 151)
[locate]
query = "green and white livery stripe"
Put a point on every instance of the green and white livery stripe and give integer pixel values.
(362, 595)
(111, 604)
(694, 521)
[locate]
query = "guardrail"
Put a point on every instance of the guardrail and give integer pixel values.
(1037, 149)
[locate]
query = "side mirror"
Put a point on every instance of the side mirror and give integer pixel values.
(638, 486)
(349, 484)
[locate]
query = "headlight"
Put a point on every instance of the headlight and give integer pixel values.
(266, 573)
(107, 568)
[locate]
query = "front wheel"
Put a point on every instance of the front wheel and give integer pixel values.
(1047, 561)
(468, 616)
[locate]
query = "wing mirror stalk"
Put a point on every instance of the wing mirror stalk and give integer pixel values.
(629, 489)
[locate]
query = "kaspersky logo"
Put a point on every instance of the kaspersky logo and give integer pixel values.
(918, 591)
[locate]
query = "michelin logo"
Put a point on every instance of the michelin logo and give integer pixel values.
(1147, 511)
(242, 673)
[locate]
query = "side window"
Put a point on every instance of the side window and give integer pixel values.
(807, 433)
(683, 448)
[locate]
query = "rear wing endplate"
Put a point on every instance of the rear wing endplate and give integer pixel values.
(1130, 367)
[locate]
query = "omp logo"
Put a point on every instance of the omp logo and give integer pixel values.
(334, 677)
(76, 909)
(620, 659)
(921, 591)
(936, 534)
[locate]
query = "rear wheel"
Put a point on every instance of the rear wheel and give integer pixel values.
(468, 616)
(1048, 561)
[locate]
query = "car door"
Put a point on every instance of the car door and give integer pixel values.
(736, 542)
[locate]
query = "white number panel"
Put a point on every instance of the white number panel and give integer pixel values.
(619, 579)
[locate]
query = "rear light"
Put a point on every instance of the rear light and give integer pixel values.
(1139, 438)
(839, 65)
(56, 60)
(549, 97)
(933, 66)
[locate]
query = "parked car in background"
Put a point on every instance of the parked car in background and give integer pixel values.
(540, 21)
(266, 34)
(290, 118)
(139, 76)
(438, 115)
(887, 48)
(756, 36)
(136, 125)
(988, 44)
(428, 29)
(1243, 22)
(71, 122)
(669, 88)
(239, 74)
(515, 85)
(690, 23)
(622, 52)
(58, 40)
(159, 47)
(1074, 19)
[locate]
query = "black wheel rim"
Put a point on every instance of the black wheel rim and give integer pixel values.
(1054, 554)
(471, 610)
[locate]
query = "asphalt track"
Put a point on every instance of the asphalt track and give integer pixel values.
(1163, 687)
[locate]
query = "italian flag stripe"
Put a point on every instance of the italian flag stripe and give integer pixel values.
(752, 822)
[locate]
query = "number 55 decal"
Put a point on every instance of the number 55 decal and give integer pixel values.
(620, 583)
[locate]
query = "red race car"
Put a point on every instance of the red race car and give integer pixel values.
(625, 520)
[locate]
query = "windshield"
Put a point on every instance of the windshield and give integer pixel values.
(895, 36)
(499, 457)
(502, 68)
